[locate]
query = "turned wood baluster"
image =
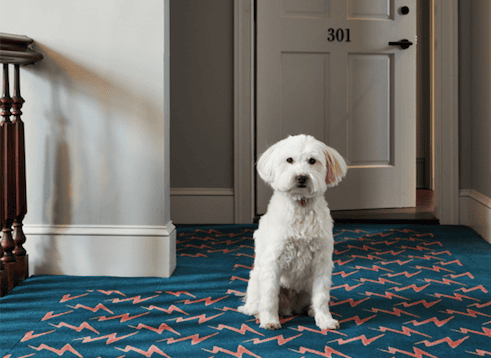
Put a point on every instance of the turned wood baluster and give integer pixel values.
(8, 175)
(20, 182)
(3, 271)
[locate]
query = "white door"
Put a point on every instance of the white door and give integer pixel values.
(325, 68)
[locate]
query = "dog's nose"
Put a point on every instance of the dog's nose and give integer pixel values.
(302, 179)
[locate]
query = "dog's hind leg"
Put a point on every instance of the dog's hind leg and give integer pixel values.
(303, 302)
(287, 301)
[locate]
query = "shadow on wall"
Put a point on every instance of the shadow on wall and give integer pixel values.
(85, 142)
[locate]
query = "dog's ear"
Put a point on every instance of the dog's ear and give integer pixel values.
(336, 167)
(266, 165)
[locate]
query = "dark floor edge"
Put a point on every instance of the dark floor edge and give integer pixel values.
(388, 221)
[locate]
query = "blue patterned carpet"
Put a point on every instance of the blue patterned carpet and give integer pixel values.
(398, 291)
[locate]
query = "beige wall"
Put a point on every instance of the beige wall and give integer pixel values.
(94, 111)
(202, 93)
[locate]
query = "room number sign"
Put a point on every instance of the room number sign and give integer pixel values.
(338, 35)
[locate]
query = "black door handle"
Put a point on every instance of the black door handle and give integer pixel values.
(405, 43)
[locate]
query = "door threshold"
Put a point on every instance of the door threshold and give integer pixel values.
(386, 216)
(422, 213)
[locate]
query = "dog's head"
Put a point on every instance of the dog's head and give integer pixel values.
(301, 166)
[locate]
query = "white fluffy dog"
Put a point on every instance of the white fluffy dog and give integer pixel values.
(294, 243)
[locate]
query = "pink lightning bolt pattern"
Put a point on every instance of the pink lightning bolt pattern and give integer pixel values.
(397, 290)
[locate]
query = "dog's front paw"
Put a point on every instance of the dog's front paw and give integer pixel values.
(248, 310)
(268, 321)
(327, 323)
(271, 326)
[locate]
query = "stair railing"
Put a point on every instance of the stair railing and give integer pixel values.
(15, 50)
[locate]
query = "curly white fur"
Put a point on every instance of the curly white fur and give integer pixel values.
(294, 242)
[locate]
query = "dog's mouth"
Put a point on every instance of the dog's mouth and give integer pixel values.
(301, 185)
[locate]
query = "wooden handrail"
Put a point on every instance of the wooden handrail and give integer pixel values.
(15, 49)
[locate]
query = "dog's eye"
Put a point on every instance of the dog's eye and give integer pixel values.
(290, 160)
(312, 161)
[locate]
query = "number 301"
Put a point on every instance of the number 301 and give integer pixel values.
(338, 35)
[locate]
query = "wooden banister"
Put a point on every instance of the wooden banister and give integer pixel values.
(14, 50)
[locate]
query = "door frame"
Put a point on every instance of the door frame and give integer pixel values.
(444, 110)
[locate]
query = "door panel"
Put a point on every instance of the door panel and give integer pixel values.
(324, 67)
(370, 10)
(310, 8)
(305, 78)
(369, 97)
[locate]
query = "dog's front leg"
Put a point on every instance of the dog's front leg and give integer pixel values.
(269, 301)
(251, 304)
(323, 266)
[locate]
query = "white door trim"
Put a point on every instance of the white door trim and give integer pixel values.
(444, 110)
(244, 111)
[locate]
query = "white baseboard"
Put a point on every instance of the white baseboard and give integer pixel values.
(202, 205)
(88, 250)
(475, 212)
